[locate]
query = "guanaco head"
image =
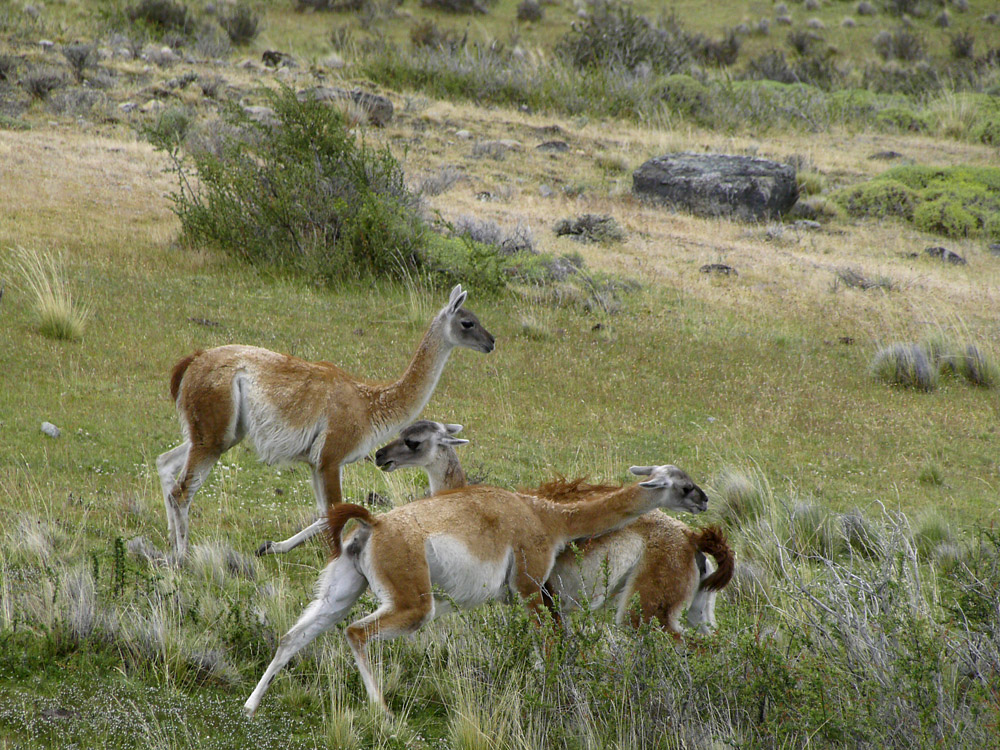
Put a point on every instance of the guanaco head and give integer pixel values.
(417, 445)
(462, 327)
(675, 488)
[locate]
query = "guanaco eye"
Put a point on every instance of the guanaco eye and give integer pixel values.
(467, 324)
(412, 445)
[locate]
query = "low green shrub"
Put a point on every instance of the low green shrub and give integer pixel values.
(902, 119)
(301, 193)
(686, 96)
(952, 201)
(878, 199)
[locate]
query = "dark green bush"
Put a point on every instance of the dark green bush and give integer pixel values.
(241, 24)
(301, 194)
(615, 35)
(161, 15)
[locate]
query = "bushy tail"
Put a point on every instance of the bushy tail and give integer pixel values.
(337, 516)
(712, 541)
(178, 373)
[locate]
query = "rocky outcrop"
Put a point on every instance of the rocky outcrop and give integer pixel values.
(740, 187)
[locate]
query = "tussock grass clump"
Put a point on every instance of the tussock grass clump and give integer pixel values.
(44, 278)
(900, 44)
(862, 536)
(813, 530)
(40, 82)
(978, 367)
(79, 57)
(932, 530)
(905, 365)
(742, 497)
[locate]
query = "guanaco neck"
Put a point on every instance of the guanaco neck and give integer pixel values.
(400, 402)
(445, 471)
(593, 517)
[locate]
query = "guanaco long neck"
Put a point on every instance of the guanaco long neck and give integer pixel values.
(399, 403)
(445, 472)
(593, 517)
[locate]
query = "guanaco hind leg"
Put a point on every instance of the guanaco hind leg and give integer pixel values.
(340, 587)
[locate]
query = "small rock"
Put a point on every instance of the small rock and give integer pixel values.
(553, 146)
(546, 192)
(272, 58)
(510, 144)
(946, 255)
(463, 134)
(127, 107)
(720, 268)
(808, 224)
(333, 61)
(886, 155)
(153, 105)
(46, 44)
(50, 429)
(263, 115)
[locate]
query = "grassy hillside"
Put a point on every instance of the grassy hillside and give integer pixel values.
(861, 512)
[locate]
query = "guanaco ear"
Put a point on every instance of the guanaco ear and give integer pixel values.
(659, 483)
(642, 471)
(456, 300)
(454, 442)
(453, 429)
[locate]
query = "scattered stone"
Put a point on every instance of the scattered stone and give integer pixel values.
(127, 107)
(590, 228)
(153, 105)
(484, 195)
(272, 58)
(377, 500)
(263, 115)
(809, 224)
(546, 192)
(553, 147)
(50, 429)
(378, 108)
(719, 268)
(886, 155)
(463, 135)
(160, 56)
(741, 187)
(58, 713)
(46, 44)
(994, 249)
(333, 61)
(249, 64)
(946, 255)
(546, 130)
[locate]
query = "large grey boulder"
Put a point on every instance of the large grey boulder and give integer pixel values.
(378, 108)
(718, 185)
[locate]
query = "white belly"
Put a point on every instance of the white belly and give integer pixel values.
(459, 576)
